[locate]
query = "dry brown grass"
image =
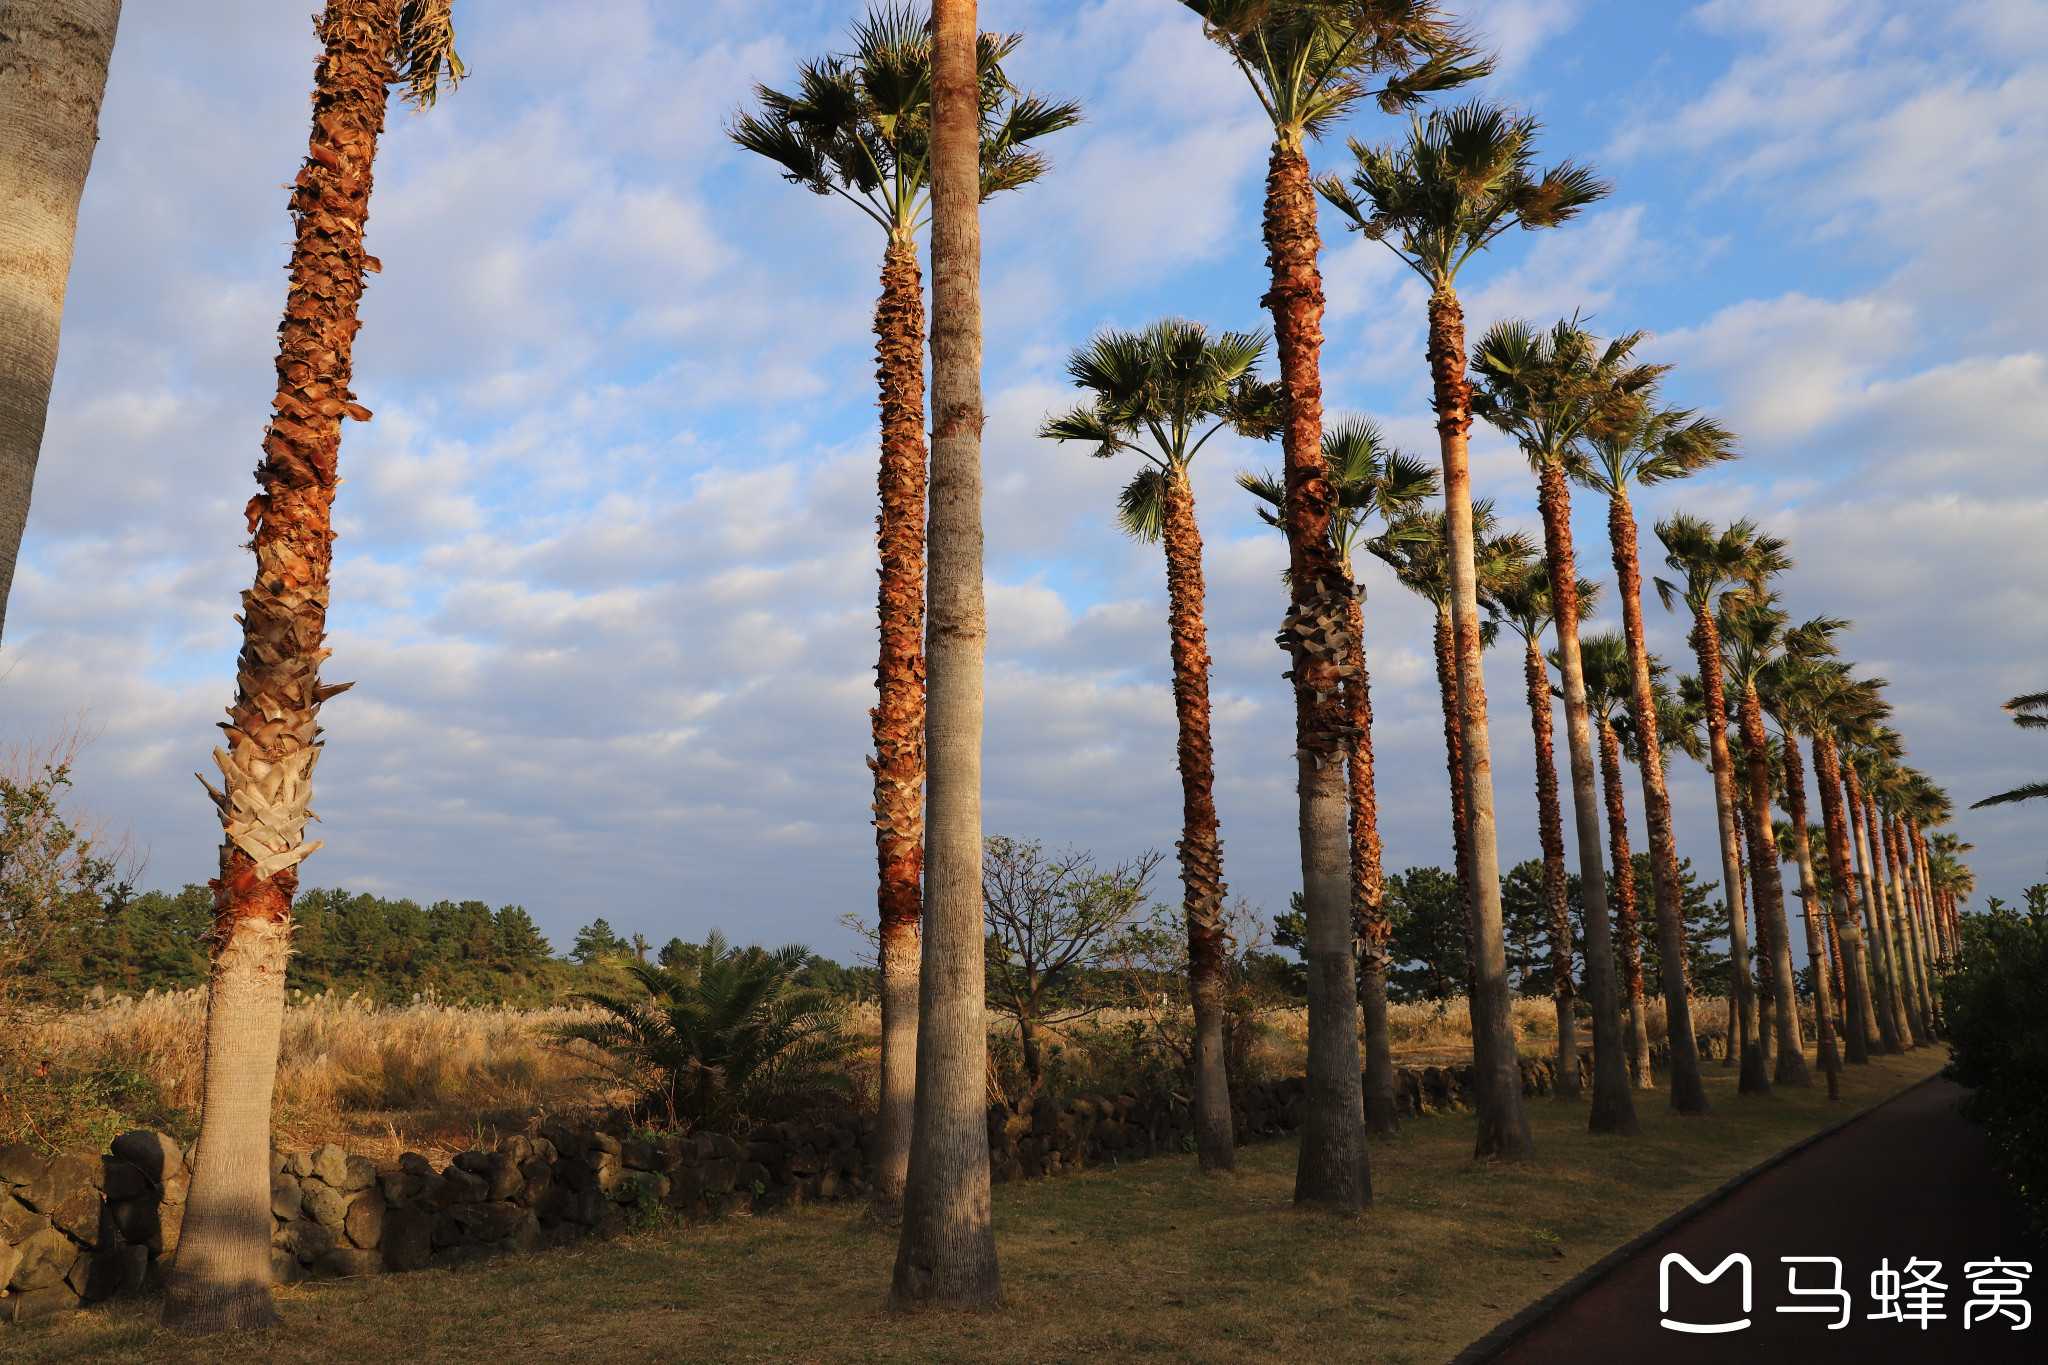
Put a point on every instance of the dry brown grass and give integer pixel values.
(1154, 1261)
(425, 1076)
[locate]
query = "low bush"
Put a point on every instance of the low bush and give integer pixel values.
(1996, 1006)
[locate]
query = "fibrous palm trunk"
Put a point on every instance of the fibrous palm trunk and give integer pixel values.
(1770, 900)
(1809, 896)
(1756, 1061)
(221, 1280)
(1688, 1087)
(1613, 1108)
(1892, 1028)
(1369, 923)
(1625, 910)
(1454, 762)
(1201, 852)
(1901, 972)
(1861, 1021)
(1497, 1089)
(1706, 644)
(898, 715)
(947, 1255)
(1909, 924)
(53, 73)
(1333, 1171)
(1550, 827)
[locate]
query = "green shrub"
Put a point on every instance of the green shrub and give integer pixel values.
(1996, 1008)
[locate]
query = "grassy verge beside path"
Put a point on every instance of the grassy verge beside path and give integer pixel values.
(1151, 1262)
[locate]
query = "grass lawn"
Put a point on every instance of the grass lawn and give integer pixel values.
(1151, 1262)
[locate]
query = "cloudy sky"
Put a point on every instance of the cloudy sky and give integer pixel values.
(605, 570)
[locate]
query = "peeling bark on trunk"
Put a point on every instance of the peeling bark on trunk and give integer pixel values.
(1497, 1084)
(1688, 1087)
(1369, 924)
(1550, 827)
(1333, 1171)
(1625, 910)
(1454, 762)
(53, 75)
(1706, 644)
(1770, 901)
(221, 1279)
(1613, 1109)
(1809, 897)
(947, 1255)
(1756, 1059)
(1201, 852)
(898, 715)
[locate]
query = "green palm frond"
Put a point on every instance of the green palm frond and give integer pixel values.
(2029, 712)
(1141, 507)
(1549, 387)
(1165, 390)
(426, 59)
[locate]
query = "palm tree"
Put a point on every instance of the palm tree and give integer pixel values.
(1309, 62)
(2029, 712)
(221, 1279)
(1951, 879)
(49, 124)
(859, 126)
(947, 1255)
(1824, 698)
(1609, 687)
(1168, 383)
(1648, 446)
(1527, 605)
(1868, 752)
(725, 1038)
(1369, 479)
(1713, 564)
(1896, 790)
(1416, 547)
(1463, 177)
(1546, 389)
(1792, 690)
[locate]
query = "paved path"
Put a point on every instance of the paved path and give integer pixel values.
(1910, 1179)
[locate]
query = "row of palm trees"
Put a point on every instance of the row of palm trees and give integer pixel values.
(919, 122)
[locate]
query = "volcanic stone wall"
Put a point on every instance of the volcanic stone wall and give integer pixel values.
(84, 1226)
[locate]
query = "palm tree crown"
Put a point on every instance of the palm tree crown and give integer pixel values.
(2029, 712)
(1368, 477)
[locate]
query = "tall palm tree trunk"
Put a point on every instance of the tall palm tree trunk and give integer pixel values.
(947, 1255)
(1770, 900)
(1897, 1036)
(1550, 828)
(53, 74)
(1333, 1170)
(898, 715)
(1923, 929)
(1706, 644)
(1454, 761)
(1688, 1087)
(1613, 1109)
(1497, 1090)
(1896, 942)
(221, 1278)
(1369, 923)
(1943, 948)
(1809, 896)
(1862, 1020)
(1626, 914)
(1201, 852)
(1909, 922)
(1756, 1062)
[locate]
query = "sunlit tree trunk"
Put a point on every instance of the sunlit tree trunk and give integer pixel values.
(1333, 1171)
(1770, 900)
(1497, 1083)
(1688, 1087)
(1756, 1061)
(898, 715)
(947, 1255)
(1894, 1036)
(1550, 827)
(1201, 851)
(1613, 1108)
(1706, 644)
(1369, 923)
(1454, 762)
(1625, 909)
(221, 1278)
(1909, 922)
(53, 74)
(1809, 896)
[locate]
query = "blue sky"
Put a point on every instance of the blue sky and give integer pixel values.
(605, 574)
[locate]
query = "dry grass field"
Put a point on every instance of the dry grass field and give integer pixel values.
(1150, 1262)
